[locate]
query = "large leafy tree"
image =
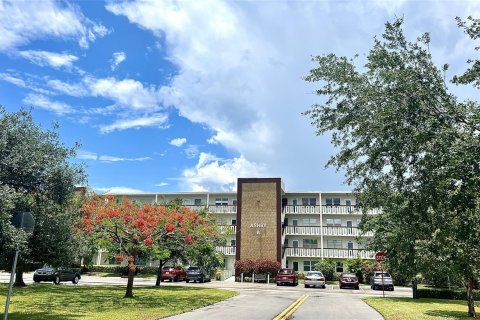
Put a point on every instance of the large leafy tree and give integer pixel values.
(36, 175)
(410, 148)
(130, 229)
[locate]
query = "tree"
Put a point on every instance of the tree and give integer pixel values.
(410, 148)
(36, 176)
(128, 228)
(327, 267)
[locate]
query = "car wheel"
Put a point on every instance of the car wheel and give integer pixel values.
(278, 284)
(175, 279)
(56, 280)
(36, 281)
(324, 286)
(357, 288)
(341, 287)
(171, 279)
(201, 280)
(393, 289)
(307, 286)
(187, 281)
(75, 280)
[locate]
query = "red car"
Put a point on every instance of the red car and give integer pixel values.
(349, 280)
(173, 273)
(286, 276)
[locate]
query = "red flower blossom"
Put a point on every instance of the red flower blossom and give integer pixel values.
(169, 227)
(148, 242)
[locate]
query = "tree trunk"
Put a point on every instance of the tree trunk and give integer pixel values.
(470, 301)
(159, 274)
(414, 288)
(19, 277)
(131, 275)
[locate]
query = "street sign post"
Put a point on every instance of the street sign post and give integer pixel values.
(380, 258)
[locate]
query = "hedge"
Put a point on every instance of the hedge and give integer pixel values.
(120, 269)
(446, 294)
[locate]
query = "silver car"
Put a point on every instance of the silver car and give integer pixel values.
(381, 279)
(314, 279)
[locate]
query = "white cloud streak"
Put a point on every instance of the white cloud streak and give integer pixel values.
(178, 142)
(118, 57)
(155, 120)
(13, 80)
(118, 190)
(50, 59)
(41, 101)
(117, 159)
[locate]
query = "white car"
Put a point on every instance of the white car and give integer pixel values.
(314, 279)
(377, 282)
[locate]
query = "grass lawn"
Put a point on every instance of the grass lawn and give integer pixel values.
(117, 275)
(408, 309)
(47, 301)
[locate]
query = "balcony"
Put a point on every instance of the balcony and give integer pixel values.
(345, 231)
(228, 229)
(302, 230)
(328, 253)
(323, 209)
(222, 209)
(226, 250)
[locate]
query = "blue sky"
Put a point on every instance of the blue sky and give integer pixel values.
(189, 95)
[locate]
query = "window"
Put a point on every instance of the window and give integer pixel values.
(310, 243)
(197, 202)
(233, 243)
(334, 222)
(334, 244)
(294, 223)
(221, 201)
(295, 266)
(309, 222)
(309, 265)
(234, 222)
(348, 202)
(339, 267)
(294, 202)
(332, 201)
(234, 202)
(309, 201)
(295, 243)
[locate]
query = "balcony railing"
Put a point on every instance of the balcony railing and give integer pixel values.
(345, 231)
(222, 209)
(228, 229)
(302, 230)
(227, 250)
(328, 253)
(324, 209)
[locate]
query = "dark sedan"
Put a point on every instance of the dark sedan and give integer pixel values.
(57, 275)
(197, 274)
(349, 280)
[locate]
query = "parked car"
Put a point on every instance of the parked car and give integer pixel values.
(314, 279)
(376, 281)
(174, 274)
(57, 275)
(349, 280)
(286, 276)
(197, 274)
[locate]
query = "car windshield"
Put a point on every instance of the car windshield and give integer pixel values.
(193, 269)
(167, 268)
(285, 271)
(314, 274)
(349, 275)
(385, 274)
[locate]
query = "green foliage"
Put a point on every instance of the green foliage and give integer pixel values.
(355, 266)
(446, 294)
(327, 267)
(36, 175)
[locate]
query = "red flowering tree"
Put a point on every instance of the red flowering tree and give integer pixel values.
(129, 228)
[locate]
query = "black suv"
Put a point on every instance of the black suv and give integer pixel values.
(197, 274)
(57, 275)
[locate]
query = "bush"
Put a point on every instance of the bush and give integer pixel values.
(446, 294)
(355, 266)
(327, 267)
(245, 266)
(301, 275)
(259, 266)
(367, 269)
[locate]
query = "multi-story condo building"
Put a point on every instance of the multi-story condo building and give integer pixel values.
(265, 221)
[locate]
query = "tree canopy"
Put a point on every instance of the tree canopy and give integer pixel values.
(410, 147)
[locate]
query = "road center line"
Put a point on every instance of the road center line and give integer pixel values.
(291, 308)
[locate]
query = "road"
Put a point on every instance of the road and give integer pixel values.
(263, 301)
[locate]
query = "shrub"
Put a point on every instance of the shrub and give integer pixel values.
(446, 294)
(245, 266)
(355, 266)
(266, 266)
(367, 269)
(327, 267)
(301, 275)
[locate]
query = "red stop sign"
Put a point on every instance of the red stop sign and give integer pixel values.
(380, 256)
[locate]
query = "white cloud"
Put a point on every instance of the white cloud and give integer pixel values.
(155, 120)
(46, 58)
(118, 57)
(214, 174)
(161, 184)
(13, 80)
(178, 142)
(191, 151)
(74, 90)
(22, 21)
(118, 190)
(41, 101)
(127, 92)
(117, 159)
(241, 66)
(86, 155)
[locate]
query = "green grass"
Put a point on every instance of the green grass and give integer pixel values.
(117, 275)
(47, 301)
(403, 308)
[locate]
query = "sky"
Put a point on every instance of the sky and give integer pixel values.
(170, 96)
